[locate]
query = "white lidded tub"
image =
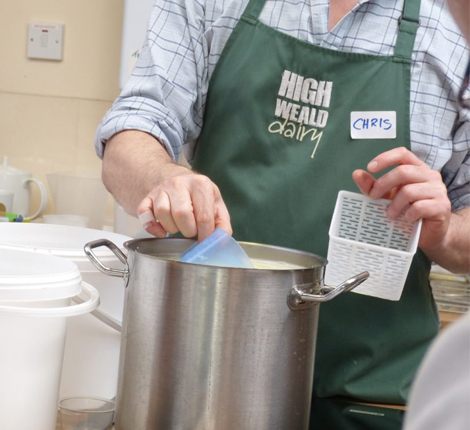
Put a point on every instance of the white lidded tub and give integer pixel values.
(91, 359)
(35, 304)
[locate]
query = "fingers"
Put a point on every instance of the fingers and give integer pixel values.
(162, 211)
(391, 184)
(204, 210)
(408, 169)
(210, 211)
(364, 181)
(222, 217)
(147, 218)
(189, 203)
(415, 190)
(385, 188)
(394, 157)
(177, 212)
(420, 200)
(400, 176)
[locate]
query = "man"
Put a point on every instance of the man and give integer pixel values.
(281, 105)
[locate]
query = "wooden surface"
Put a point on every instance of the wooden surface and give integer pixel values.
(448, 318)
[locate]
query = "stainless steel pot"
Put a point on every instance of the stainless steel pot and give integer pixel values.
(212, 348)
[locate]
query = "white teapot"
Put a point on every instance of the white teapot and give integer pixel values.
(18, 181)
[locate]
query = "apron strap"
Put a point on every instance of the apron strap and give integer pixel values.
(254, 8)
(407, 28)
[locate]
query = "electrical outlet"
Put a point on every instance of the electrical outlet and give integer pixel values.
(45, 40)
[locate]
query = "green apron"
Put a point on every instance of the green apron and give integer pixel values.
(277, 141)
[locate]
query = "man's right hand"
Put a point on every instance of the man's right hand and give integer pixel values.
(185, 202)
(144, 179)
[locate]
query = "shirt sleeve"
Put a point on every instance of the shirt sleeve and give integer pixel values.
(440, 130)
(456, 172)
(165, 94)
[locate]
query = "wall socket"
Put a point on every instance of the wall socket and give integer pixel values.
(45, 40)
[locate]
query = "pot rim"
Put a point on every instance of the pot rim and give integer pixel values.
(253, 250)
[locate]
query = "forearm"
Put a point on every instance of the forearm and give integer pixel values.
(133, 164)
(454, 253)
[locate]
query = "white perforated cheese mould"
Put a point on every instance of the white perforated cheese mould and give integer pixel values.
(363, 238)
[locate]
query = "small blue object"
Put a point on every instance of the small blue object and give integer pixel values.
(219, 249)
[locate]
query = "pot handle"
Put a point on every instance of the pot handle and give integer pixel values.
(102, 316)
(298, 299)
(99, 265)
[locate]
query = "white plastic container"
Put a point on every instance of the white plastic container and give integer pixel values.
(63, 219)
(219, 249)
(91, 359)
(126, 224)
(79, 194)
(35, 296)
(363, 238)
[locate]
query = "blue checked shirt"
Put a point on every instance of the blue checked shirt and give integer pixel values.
(166, 94)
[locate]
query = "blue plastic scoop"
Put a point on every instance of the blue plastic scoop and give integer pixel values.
(219, 249)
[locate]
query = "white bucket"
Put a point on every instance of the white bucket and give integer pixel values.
(91, 359)
(32, 335)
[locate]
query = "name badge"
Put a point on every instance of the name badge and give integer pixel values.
(374, 125)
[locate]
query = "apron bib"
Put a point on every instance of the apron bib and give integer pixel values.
(277, 141)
